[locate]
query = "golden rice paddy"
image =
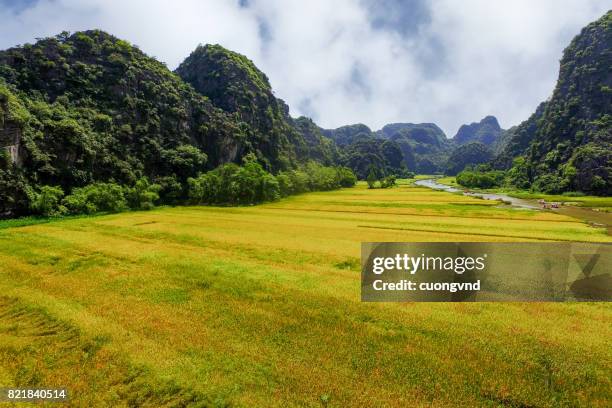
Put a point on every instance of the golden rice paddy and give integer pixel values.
(260, 306)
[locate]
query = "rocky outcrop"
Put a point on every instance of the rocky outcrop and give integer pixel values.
(10, 133)
(487, 132)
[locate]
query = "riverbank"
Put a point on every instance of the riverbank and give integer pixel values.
(602, 204)
(595, 211)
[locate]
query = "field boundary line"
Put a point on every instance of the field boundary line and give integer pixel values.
(470, 233)
(422, 215)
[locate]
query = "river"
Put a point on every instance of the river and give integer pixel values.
(595, 218)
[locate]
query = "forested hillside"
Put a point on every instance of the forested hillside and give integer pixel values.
(518, 138)
(87, 108)
(424, 145)
(397, 147)
(567, 144)
(233, 83)
(363, 150)
(472, 153)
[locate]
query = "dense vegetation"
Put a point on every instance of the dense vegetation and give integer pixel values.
(92, 107)
(481, 177)
(94, 198)
(89, 109)
(485, 176)
(567, 144)
(233, 83)
(472, 153)
(231, 184)
(228, 184)
(398, 148)
(424, 145)
(375, 180)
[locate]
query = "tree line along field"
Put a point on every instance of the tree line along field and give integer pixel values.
(260, 306)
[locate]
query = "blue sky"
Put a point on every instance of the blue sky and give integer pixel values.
(347, 61)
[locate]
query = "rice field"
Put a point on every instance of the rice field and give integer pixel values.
(259, 306)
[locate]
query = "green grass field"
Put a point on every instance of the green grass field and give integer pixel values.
(259, 306)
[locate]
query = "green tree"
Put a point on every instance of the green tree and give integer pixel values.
(46, 201)
(345, 177)
(143, 196)
(388, 181)
(372, 177)
(98, 197)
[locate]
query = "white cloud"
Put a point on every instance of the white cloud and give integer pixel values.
(472, 58)
(503, 58)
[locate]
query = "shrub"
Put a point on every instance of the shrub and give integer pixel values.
(143, 195)
(204, 189)
(46, 201)
(270, 189)
(480, 179)
(249, 184)
(299, 180)
(388, 181)
(105, 197)
(171, 191)
(549, 184)
(285, 185)
(321, 178)
(372, 178)
(345, 177)
(254, 184)
(231, 184)
(224, 191)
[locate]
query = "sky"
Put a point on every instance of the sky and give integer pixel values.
(339, 62)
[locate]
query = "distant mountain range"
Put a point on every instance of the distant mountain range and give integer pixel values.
(424, 146)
